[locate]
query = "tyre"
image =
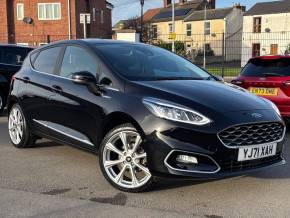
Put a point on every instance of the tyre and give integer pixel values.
(19, 133)
(123, 161)
(2, 102)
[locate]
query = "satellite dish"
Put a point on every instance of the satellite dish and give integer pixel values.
(267, 30)
(28, 20)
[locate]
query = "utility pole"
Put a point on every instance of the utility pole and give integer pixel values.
(173, 25)
(142, 7)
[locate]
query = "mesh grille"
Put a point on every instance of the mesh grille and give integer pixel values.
(253, 134)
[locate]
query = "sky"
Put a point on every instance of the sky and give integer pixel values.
(125, 9)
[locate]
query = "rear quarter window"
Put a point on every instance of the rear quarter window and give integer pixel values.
(47, 59)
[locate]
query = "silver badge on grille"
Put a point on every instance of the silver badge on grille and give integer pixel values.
(256, 115)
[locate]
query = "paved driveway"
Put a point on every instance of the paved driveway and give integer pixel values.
(55, 180)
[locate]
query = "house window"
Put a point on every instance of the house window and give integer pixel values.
(274, 49)
(256, 50)
(102, 16)
(49, 11)
(257, 24)
(207, 28)
(20, 11)
(188, 29)
(170, 28)
(154, 31)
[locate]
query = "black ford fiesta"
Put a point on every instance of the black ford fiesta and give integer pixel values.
(147, 112)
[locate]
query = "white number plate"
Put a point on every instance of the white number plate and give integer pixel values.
(257, 152)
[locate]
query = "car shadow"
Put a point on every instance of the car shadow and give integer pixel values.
(280, 172)
(165, 184)
(46, 144)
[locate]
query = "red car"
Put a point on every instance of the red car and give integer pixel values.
(268, 77)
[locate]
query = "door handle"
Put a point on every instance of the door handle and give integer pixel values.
(56, 88)
(26, 79)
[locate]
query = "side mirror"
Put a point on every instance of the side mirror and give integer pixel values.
(219, 78)
(84, 78)
(87, 79)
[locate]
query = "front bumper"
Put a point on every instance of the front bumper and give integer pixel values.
(167, 140)
(284, 110)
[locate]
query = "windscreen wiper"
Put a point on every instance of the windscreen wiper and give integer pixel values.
(180, 78)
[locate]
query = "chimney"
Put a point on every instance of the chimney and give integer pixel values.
(240, 7)
(181, 2)
(211, 4)
(166, 3)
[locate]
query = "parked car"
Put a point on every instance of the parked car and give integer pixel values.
(146, 111)
(268, 77)
(11, 58)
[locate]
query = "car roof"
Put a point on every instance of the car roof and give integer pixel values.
(89, 42)
(106, 41)
(270, 57)
(14, 46)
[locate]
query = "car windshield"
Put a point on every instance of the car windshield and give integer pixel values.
(144, 62)
(266, 67)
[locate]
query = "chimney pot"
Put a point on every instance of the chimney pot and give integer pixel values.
(211, 4)
(166, 3)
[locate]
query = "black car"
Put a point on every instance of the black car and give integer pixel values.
(11, 58)
(148, 113)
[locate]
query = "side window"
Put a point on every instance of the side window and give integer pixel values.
(46, 60)
(77, 59)
(33, 56)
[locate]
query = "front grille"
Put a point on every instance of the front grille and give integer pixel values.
(233, 166)
(251, 134)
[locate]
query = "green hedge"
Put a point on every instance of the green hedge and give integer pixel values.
(179, 46)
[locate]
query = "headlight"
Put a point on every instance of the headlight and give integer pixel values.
(174, 112)
(273, 106)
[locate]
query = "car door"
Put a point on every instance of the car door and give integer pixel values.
(76, 118)
(35, 87)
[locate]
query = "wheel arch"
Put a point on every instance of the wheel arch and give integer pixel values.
(11, 101)
(118, 118)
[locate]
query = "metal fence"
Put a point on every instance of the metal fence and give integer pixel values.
(226, 54)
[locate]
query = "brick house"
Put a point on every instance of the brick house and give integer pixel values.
(36, 22)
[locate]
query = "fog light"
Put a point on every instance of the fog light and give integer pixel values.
(186, 159)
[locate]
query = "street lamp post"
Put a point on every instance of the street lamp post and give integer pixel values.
(69, 19)
(173, 25)
(204, 36)
(142, 7)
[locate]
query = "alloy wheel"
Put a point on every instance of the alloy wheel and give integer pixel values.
(16, 125)
(125, 161)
